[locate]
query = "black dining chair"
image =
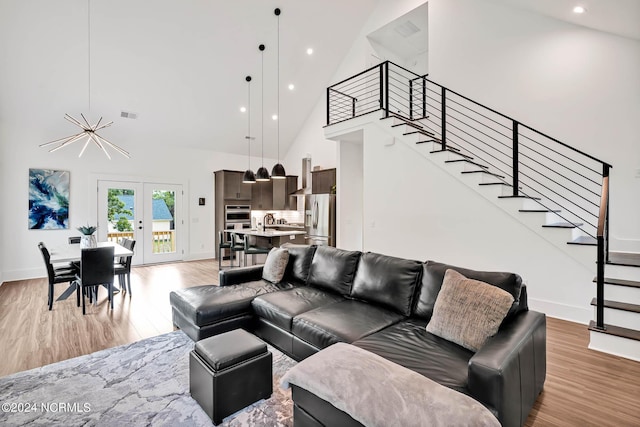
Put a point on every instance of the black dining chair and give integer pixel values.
(65, 274)
(253, 250)
(96, 269)
(122, 268)
(237, 245)
(222, 245)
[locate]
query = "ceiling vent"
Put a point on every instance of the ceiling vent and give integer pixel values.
(407, 29)
(128, 115)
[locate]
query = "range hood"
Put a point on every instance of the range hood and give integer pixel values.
(306, 178)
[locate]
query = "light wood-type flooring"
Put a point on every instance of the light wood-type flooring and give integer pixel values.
(583, 387)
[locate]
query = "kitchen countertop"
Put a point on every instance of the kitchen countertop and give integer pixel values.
(268, 233)
(301, 227)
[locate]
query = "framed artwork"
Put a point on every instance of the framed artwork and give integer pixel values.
(48, 199)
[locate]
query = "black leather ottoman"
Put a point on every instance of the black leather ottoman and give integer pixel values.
(228, 372)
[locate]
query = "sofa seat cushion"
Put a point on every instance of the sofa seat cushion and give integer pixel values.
(279, 308)
(408, 344)
(387, 281)
(204, 305)
(344, 321)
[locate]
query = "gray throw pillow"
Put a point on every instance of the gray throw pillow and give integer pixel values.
(467, 311)
(275, 265)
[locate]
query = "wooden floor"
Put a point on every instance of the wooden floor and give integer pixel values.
(583, 387)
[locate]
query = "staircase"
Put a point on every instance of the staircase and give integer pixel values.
(542, 181)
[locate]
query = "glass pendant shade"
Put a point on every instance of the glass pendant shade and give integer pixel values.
(249, 177)
(262, 174)
(278, 172)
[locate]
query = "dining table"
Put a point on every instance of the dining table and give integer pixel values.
(73, 252)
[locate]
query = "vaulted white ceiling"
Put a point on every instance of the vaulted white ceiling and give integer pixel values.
(179, 65)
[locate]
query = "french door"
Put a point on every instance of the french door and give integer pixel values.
(149, 213)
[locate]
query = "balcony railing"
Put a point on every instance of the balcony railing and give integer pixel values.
(162, 241)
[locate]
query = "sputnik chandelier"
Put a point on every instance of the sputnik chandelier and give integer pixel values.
(88, 130)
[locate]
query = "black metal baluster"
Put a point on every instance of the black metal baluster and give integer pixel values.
(443, 114)
(386, 88)
(515, 169)
(411, 99)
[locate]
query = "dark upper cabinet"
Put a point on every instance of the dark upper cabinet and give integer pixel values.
(232, 186)
(262, 195)
(322, 181)
(282, 188)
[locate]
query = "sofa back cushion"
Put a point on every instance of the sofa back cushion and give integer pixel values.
(300, 257)
(433, 275)
(387, 281)
(333, 269)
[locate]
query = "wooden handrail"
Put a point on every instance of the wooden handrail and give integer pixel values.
(604, 201)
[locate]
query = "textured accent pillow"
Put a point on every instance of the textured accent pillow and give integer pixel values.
(467, 311)
(275, 265)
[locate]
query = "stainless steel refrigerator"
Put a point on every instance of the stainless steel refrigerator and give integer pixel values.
(320, 219)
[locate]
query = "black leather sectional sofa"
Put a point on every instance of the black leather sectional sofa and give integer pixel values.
(381, 304)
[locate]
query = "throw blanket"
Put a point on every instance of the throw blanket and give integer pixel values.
(377, 392)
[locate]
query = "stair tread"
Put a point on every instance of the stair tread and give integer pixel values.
(496, 183)
(519, 197)
(619, 282)
(539, 210)
(421, 132)
(624, 258)
(434, 139)
(467, 161)
(584, 240)
(407, 124)
(625, 306)
(616, 330)
(449, 147)
(563, 225)
(449, 150)
(485, 172)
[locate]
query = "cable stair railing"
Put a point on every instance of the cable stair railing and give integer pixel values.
(567, 185)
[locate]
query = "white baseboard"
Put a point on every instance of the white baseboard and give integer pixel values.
(199, 256)
(562, 311)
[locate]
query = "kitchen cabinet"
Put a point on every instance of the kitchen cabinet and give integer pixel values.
(282, 188)
(262, 195)
(322, 181)
(232, 186)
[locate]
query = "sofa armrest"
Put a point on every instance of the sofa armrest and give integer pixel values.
(508, 372)
(236, 276)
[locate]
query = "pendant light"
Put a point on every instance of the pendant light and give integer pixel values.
(249, 177)
(263, 173)
(88, 131)
(278, 171)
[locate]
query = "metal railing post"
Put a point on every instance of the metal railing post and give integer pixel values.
(515, 169)
(424, 97)
(328, 106)
(443, 113)
(386, 88)
(353, 107)
(411, 99)
(601, 239)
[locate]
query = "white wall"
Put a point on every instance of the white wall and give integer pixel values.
(418, 211)
(350, 193)
(193, 168)
(578, 85)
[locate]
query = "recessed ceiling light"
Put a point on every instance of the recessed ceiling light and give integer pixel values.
(309, 51)
(291, 86)
(274, 117)
(579, 9)
(243, 109)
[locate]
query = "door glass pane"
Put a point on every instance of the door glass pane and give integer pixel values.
(120, 214)
(163, 221)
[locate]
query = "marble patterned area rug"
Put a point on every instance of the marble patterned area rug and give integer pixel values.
(141, 384)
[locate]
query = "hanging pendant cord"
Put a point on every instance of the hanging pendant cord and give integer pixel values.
(89, 50)
(249, 121)
(262, 112)
(278, 124)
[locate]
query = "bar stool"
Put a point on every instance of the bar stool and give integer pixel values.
(222, 245)
(237, 245)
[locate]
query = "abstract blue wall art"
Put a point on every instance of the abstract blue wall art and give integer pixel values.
(48, 199)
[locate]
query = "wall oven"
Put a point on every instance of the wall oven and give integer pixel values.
(237, 216)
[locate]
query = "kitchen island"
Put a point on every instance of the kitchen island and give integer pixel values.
(270, 237)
